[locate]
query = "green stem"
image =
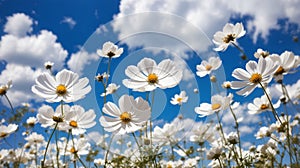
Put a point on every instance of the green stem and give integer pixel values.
(238, 133)
(270, 102)
(221, 128)
(48, 143)
(106, 155)
(9, 102)
(241, 50)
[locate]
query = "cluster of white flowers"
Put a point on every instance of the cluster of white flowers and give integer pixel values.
(129, 137)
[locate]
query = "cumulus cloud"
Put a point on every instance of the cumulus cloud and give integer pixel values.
(25, 56)
(70, 21)
(32, 50)
(18, 25)
(292, 89)
(80, 59)
(208, 15)
(23, 78)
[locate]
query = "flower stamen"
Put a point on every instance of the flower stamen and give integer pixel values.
(264, 106)
(61, 90)
(279, 71)
(208, 67)
(125, 117)
(152, 78)
(73, 124)
(229, 38)
(215, 106)
(57, 119)
(255, 78)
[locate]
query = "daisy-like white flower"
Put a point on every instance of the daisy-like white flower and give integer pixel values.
(261, 104)
(78, 120)
(206, 67)
(218, 103)
(110, 50)
(5, 131)
(229, 35)
(111, 88)
(5, 87)
(168, 135)
(147, 75)
(286, 62)
(226, 85)
(65, 86)
(48, 118)
(201, 133)
(129, 117)
(31, 121)
(179, 99)
(78, 148)
(48, 65)
(261, 53)
(214, 153)
(34, 138)
(256, 74)
(101, 77)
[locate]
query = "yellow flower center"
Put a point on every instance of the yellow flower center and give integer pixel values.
(215, 106)
(73, 150)
(208, 67)
(169, 166)
(125, 117)
(3, 134)
(152, 78)
(61, 90)
(229, 38)
(279, 71)
(2, 91)
(264, 106)
(73, 124)
(57, 119)
(179, 99)
(255, 78)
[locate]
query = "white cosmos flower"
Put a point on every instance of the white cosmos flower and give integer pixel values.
(201, 133)
(110, 50)
(261, 53)
(229, 35)
(206, 67)
(48, 65)
(168, 135)
(129, 117)
(261, 104)
(218, 103)
(31, 121)
(286, 62)
(5, 87)
(256, 74)
(79, 147)
(111, 88)
(179, 99)
(48, 118)
(65, 86)
(78, 120)
(5, 131)
(147, 75)
(34, 138)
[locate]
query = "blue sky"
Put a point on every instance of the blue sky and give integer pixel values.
(72, 30)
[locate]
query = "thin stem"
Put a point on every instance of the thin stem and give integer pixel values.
(238, 132)
(106, 155)
(241, 50)
(270, 102)
(48, 143)
(76, 155)
(152, 103)
(221, 128)
(9, 102)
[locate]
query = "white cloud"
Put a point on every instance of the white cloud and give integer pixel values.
(23, 78)
(293, 90)
(25, 56)
(32, 50)
(70, 21)
(18, 24)
(209, 15)
(80, 59)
